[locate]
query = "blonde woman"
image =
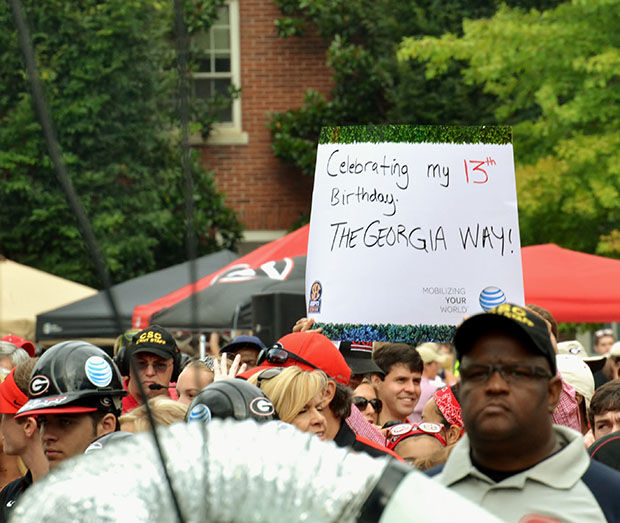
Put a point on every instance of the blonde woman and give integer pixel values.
(165, 411)
(297, 395)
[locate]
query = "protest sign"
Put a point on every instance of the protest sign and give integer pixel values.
(411, 226)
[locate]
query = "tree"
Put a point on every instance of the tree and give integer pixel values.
(555, 74)
(370, 84)
(108, 71)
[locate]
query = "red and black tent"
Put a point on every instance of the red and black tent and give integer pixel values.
(224, 298)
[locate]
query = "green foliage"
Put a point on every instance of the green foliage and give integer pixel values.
(370, 86)
(416, 134)
(109, 74)
(555, 75)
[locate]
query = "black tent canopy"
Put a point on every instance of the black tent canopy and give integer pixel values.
(227, 304)
(92, 317)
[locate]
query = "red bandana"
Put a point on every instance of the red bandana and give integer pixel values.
(449, 407)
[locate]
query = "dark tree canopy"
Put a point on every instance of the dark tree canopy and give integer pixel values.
(108, 69)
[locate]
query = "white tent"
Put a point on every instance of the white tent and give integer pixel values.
(26, 292)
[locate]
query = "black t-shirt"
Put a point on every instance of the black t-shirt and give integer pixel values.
(10, 494)
(599, 379)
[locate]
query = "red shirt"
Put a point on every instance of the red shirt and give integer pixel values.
(130, 403)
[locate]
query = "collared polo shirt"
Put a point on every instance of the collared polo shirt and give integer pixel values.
(564, 487)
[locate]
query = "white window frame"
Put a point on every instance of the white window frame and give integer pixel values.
(230, 133)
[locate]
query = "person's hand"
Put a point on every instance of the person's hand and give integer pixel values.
(305, 325)
(221, 371)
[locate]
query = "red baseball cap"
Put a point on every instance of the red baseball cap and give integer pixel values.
(11, 398)
(314, 348)
(28, 346)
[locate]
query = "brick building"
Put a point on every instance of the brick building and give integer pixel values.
(243, 48)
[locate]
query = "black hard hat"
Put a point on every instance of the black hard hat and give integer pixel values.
(231, 398)
(74, 377)
(107, 439)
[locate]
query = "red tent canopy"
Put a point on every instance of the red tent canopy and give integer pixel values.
(573, 286)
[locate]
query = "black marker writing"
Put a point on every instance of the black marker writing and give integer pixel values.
(360, 195)
(486, 237)
(376, 234)
(337, 166)
(441, 172)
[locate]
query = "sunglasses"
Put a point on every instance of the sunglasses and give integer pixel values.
(159, 368)
(604, 332)
(362, 403)
(268, 374)
(278, 355)
(434, 429)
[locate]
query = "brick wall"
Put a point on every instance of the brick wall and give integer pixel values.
(275, 73)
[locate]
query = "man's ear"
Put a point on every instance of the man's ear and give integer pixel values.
(330, 391)
(579, 398)
(554, 389)
(106, 425)
(31, 429)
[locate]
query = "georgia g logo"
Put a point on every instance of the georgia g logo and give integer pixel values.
(38, 385)
(262, 407)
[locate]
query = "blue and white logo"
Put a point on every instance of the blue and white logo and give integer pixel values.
(200, 413)
(491, 297)
(98, 371)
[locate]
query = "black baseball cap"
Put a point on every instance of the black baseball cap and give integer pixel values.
(358, 356)
(607, 450)
(156, 340)
(512, 318)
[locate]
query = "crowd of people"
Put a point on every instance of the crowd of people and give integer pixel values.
(524, 426)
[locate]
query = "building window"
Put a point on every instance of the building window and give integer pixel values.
(217, 55)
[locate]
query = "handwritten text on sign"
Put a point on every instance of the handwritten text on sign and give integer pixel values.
(391, 221)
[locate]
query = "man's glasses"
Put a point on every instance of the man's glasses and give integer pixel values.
(278, 355)
(362, 403)
(510, 373)
(158, 367)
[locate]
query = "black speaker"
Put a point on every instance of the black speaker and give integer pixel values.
(274, 314)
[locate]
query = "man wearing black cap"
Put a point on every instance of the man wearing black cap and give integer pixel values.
(513, 461)
(358, 355)
(157, 361)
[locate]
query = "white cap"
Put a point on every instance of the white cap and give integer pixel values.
(576, 372)
(575, 348)
(615, 349)
(429, 352)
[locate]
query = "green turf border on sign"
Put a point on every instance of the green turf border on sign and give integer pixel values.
(414, 334)
(499, 135)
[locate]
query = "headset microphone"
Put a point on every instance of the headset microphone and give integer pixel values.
(157, 386)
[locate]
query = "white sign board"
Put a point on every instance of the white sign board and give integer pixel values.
(412, 233)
